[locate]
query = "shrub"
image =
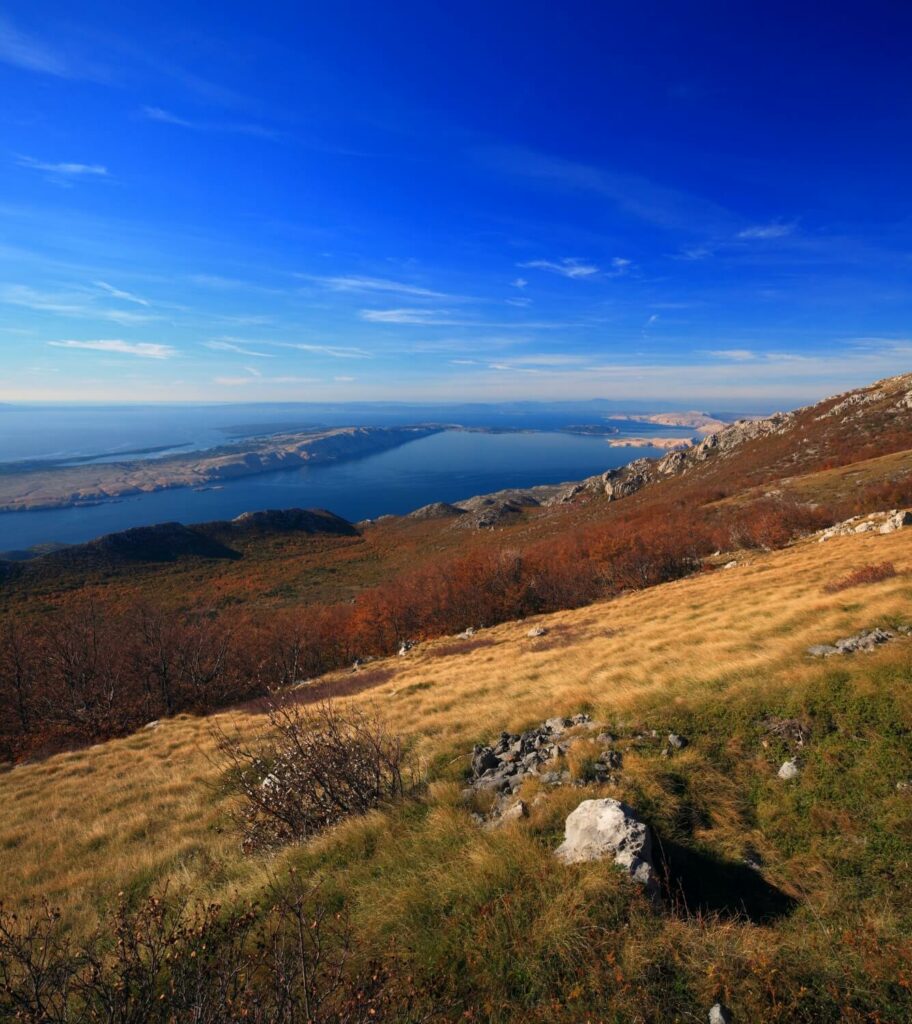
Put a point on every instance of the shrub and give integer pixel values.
(290, 961)
(314, 766)
(866, 574)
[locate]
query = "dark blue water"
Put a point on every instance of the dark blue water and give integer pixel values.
(443, 467)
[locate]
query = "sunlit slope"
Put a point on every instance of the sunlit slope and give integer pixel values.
(79, 827)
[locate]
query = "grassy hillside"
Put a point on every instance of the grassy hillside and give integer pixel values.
(487, 924)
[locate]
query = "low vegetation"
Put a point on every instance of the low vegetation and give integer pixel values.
(789, 901)
(310, 768)
(286, 861)
(859, 577)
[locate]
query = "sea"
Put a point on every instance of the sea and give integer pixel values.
(517, 445)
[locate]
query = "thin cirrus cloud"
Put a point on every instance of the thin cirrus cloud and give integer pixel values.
(762, 232)
(357, 283)
(118, 293)
(422, 317)
(230, 127)
(143, 349)
(23, 51)
(572, 268)
(336, 351)
(219, 345)
(255, 377)
(67, 305)
(735, 355)
(64, 170)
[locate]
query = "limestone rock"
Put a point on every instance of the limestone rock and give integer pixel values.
(789, 770)
(720, 1014)
(599, 829)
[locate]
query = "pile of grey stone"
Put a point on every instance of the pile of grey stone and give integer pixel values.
(868, 640)
(504, 767)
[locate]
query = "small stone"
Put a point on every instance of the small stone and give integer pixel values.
(905, 786)
(536, 631)
(517, 812)
(789, 770)
(676, 741)
(152, 725)
(822, 651)
(557, 725)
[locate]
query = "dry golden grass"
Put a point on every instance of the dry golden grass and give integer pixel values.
(80, 827)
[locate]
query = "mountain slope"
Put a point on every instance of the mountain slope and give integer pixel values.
(714, 658)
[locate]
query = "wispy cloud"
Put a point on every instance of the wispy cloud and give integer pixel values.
(67, 305)
(737, 355)
(64, 170)
(256, 378)
(567, 267)
(230, 346)
(632, 194)
(357, 283)
(776, 229)
(143, 349)
(337, 351)
(230, 127)
(520, 282)
(424, 317)
(693, 253)
(118, 293)
(24, 51)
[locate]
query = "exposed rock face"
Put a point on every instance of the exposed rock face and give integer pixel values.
(501, 513)
(626, 480)
(876, 522)
(437, 510)
(607, 828)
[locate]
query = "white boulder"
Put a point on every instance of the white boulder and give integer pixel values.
(598, 829)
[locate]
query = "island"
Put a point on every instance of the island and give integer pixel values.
(25, 488)
(667, 444)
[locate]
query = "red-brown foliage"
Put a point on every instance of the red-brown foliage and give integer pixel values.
(866, 574)
(88, 670)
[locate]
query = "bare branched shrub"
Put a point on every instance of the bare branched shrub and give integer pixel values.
(290, 960)
(313, 766)
(866, 574)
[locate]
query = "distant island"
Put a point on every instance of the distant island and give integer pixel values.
(29, 487)
(667, 444)
(702, 422)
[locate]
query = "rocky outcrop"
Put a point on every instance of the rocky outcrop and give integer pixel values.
(627, 480)
(868, 640)
(437, 510)
(504, 767)
(875, 522)
(492, 514)
(607, 828)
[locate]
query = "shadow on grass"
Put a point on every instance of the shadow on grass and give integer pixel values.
(699, 883)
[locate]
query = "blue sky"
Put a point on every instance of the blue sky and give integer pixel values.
(705, 203)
